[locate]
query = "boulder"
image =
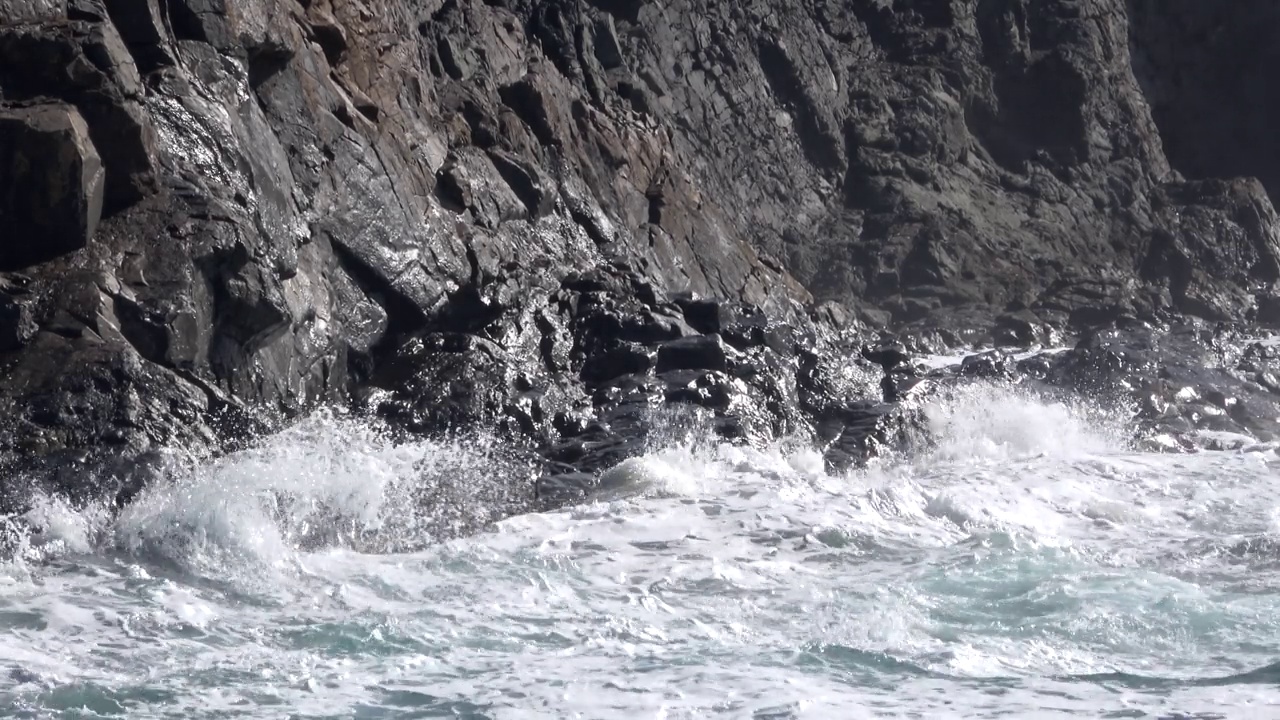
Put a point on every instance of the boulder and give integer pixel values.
(51, 184)
(698, 352)
(991, 364)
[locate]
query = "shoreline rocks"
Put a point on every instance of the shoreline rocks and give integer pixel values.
(554, 218)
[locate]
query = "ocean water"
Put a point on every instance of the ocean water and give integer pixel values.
(1031, 565)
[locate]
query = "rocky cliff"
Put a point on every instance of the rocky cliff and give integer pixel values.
(551, 217)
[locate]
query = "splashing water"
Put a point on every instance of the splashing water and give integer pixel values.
(1029, 566)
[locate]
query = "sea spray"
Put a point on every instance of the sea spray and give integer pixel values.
(329, 481)
(1034, 567)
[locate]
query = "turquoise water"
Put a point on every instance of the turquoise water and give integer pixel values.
(1031, 566)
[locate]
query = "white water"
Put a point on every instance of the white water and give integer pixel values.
(1030, 566)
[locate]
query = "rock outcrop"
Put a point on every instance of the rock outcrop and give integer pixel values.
(51, 185)
(553, 217)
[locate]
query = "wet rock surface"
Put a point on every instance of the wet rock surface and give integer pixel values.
(566, 221)
(592, 371)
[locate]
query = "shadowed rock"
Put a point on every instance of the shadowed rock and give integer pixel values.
(51, 184)
(698, 352)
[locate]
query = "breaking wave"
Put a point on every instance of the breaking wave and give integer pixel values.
(1028, 563)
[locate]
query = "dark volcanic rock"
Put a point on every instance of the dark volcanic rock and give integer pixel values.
(557, 218)
(858, 431)
(706, 352)
(1191, 382)
(888, 355)
(993, 364)
(51, 184)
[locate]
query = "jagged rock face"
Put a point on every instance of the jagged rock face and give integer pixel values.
(293, 191)
(928, 156)
(546, 215)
